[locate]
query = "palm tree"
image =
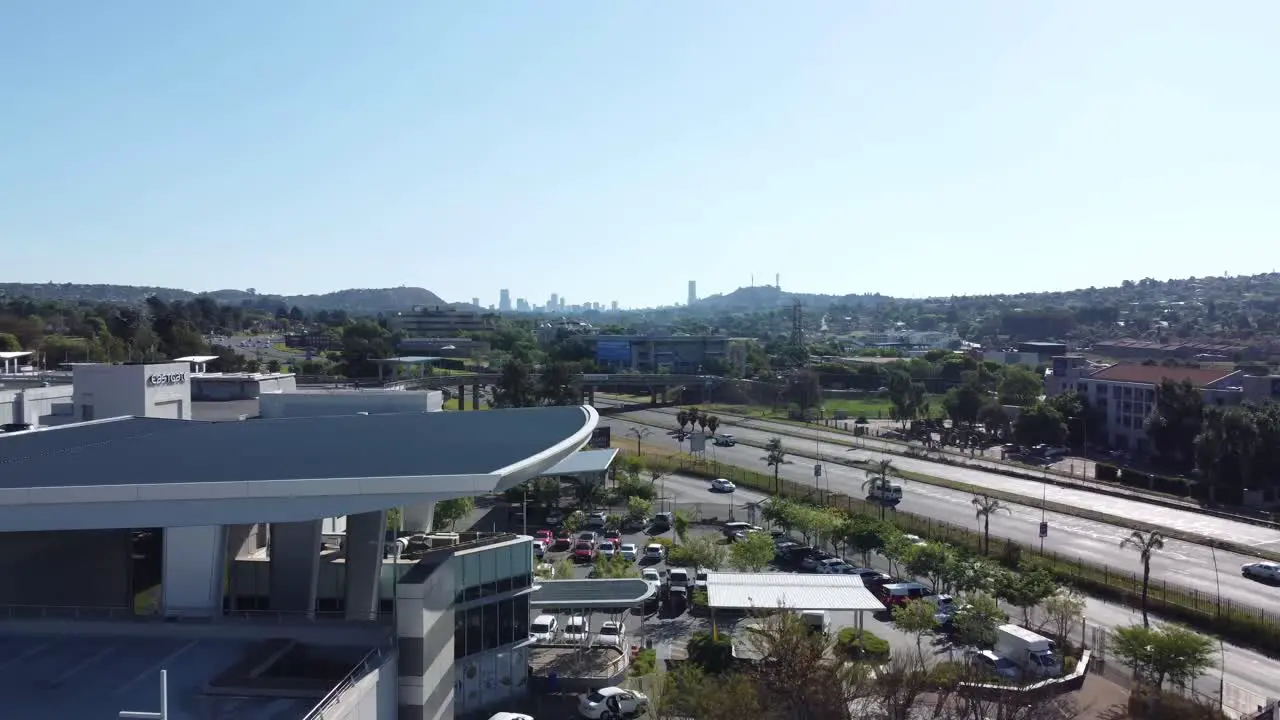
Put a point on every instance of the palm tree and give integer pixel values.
(713, 422)
(878, 477)
(682, 419)
(702, 422)
(777, 455)
(1145, 544)
(987, 505)
(641, 434)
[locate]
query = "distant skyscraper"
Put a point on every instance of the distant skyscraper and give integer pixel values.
(693, 291)
(554, 302)
(522, 305)
(504, 300)
(614, 306)
(475, 301)
(561, 303)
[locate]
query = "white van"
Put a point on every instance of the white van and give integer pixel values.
(816, 620)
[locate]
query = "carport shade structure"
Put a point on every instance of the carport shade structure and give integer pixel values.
(584, 463)
(764, 591)
(601, 595)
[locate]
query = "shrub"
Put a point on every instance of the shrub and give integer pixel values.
(1069, 664)
(713, 653)
(645, 663)
(681, 556)
(853, 644)
(1105, 472)
(700, 598)
(659, 540)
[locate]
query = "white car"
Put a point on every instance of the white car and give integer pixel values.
(628, 551)
(608, 549)
(1261, 570)
(831, 566)
(576, 630)
(654, 551)
(722, 485)
(653, 577)
(539, 548)
(543, 629)
(914, 539)
(597, 519)
(510, 716)
(545, 570)
(612, 702)
(612, 633)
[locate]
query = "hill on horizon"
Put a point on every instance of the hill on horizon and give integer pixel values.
(357, 301)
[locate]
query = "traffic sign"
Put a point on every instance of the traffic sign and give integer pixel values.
(1044, 529)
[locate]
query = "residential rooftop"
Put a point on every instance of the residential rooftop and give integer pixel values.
(1155, 374)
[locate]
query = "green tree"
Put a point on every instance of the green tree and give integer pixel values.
(9, 343)
(614, 567)
(985, 506)
(1026, 589)
(1145, 544)
(1064, 610)
(363, 342)
(918, 618)
(713, 653)
(515, 388)
(906, 396)
(879, 476)
(932, 561)
(962, 404)
(558, 384)
(682, 419)
(753, 553)
(702, 551)
(775, 457)
(1020, 386)
(1229, 451)
(977, 618)
(865, 535)
(690, 692)
(713, 423)
(449, 512)
(1166, 653)
(804, 391)
(1038, 424)
(993, 418)
(638, 511)
(1175, 422)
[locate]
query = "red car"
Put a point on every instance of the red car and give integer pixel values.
(545, 536)
(584, 552)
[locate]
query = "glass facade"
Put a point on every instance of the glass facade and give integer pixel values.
(486, 627)
(490, 572)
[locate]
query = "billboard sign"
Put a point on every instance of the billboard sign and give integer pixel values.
(697, 442)
(601, 438)
(613, 351)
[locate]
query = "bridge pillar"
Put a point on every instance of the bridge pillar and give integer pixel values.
(295, 566)
(475, 396)
(591, 395)
(366, 533)
(462, 397)
(195, 568)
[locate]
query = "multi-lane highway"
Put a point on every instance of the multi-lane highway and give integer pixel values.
(1254, 674)
(1180, 562)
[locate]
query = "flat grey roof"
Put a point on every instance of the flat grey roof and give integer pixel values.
(95, 677)
(585, 461)
(153, 451)
(409, 360)
(196, 358)
(583, 594)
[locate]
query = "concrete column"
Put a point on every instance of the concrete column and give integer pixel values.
(475, 397)
(366, 534)
(462, 397)
(591, 395)
(419, 518)
(295, 566)
(195, 569)
(653, 397)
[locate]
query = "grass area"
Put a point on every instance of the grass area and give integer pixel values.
(452, 404)
(1246, 625)
(872, 408)
(281, 347)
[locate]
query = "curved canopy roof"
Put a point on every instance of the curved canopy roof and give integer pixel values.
(145, 472)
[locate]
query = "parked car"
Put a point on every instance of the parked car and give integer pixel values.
(892, 594)
(555, 516)
(992, 663)
(587, 536)
(510, 716)
(597, 519)
(680, 577)
(654, 578)
(539, 548)
(1261, 571)
(831, 566)
(584, 552)
(722, 485)
(576, 630)
(654, 551)
(545, 536)
(870, 577)
(612, 535)
(733, 528)
(543, 629)
(612, 633)
(628, 551)
(608, 548)
(612, 702)
(663, 520)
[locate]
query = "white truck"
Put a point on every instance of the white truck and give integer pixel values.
(1032, 652)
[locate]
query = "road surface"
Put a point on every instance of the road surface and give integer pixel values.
(1251, 672)
(1183, 563)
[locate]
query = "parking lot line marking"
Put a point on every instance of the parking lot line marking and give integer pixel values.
(167, 659)
(58, 681)
(23, 656)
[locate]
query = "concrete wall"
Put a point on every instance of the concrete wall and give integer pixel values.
(40, 406)
(424, 631)
(154, 390)
(316, 404)
(251, 577)
(217, 387)
(373, 697)
(82, 568)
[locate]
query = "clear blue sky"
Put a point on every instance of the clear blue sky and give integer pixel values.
(616, 150)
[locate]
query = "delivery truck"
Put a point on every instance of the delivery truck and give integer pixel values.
(1032, 652)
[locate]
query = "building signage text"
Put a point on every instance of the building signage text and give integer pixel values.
(167, 379)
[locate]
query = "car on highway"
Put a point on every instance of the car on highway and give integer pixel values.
(543, 629)
(723, 485)
(725, 440)
(1269, 571)
(628, 551)
(654, 552)
(612, 702)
